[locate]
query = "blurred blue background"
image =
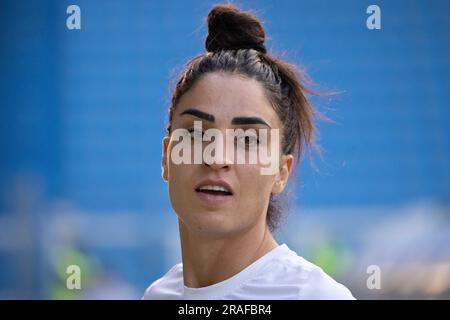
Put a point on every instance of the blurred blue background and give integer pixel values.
(83, 113)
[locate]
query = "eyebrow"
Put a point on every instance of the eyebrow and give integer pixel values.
(235, 120)
(199, 114)
(249, 120)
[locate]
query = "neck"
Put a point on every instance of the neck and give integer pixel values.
(207, 260)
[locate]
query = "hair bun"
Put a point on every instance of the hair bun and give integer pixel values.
(232, 29)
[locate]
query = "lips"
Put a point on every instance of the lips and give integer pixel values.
(214, 187)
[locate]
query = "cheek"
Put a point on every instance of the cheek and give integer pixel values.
(254, 184)
(178, 181)
(254, 196)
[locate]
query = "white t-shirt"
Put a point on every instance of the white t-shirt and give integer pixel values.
(278, 275)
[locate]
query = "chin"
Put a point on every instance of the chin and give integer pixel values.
(211, 224)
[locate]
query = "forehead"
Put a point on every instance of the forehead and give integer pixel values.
(226, 95)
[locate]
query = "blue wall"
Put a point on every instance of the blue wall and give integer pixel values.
(83, 111)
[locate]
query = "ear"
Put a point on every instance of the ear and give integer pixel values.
(164, 162)
(286, 163)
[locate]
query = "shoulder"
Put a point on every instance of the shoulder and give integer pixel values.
(169, 286)
(319, 285)
(300, 279)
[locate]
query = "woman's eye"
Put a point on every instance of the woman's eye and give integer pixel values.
(196, 134)
(249, 141)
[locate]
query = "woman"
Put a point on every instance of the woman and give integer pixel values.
(227, 210)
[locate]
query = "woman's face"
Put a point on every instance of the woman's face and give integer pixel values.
(223, 101)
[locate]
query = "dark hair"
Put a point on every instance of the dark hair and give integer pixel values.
(235, 44)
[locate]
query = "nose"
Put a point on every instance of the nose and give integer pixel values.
(217, 164)
(218, 158)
